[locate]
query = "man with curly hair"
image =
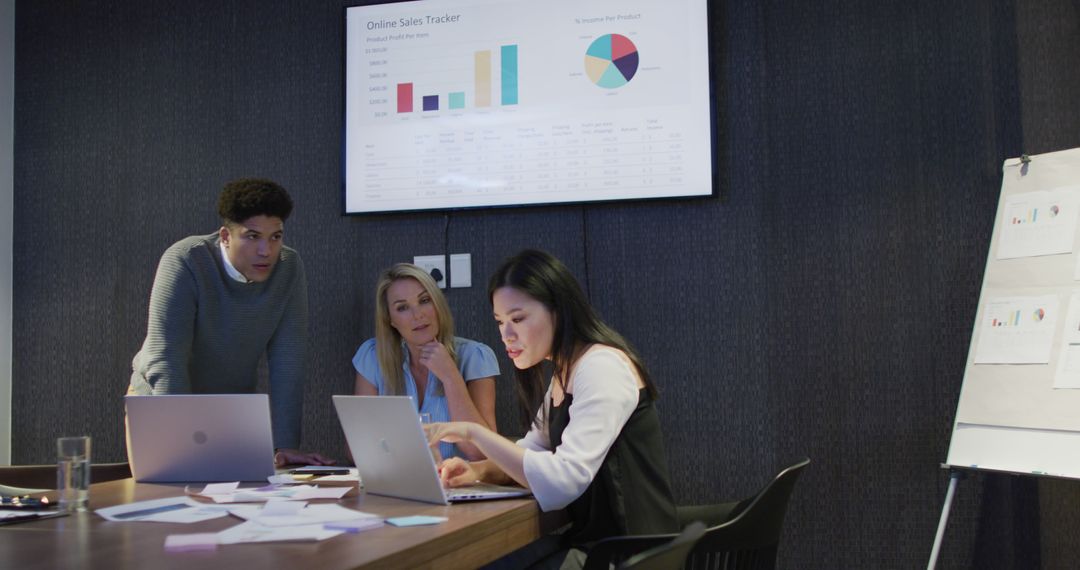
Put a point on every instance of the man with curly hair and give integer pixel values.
(222, 301)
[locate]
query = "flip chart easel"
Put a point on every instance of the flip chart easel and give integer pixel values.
(1017, 407)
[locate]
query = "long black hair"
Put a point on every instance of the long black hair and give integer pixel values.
(541, 276)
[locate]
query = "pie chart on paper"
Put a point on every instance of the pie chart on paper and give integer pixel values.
(611, 61)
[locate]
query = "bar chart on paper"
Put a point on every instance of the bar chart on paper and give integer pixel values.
(1016, 330)
(515, 103)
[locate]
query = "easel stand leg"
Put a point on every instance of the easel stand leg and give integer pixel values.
(954, 478)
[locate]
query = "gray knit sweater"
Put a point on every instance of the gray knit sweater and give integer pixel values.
(207, 331)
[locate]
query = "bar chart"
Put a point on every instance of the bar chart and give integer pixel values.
(481, 82)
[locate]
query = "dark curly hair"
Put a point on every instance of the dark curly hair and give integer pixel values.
(241, 199)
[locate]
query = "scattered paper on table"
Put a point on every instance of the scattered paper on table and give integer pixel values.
(321, 493)
(309, 515)
(173, 509)
(252, 531)
(356, 525)
(279, 508)
(275, 492)
(191, 542)
(220, 488)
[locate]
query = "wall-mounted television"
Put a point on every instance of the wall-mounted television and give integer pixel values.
(483, 103)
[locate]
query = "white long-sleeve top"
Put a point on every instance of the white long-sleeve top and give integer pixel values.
(605, 387)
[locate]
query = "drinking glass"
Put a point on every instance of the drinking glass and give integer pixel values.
(73, 472)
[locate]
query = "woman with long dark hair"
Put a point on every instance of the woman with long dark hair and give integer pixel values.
(594, 445)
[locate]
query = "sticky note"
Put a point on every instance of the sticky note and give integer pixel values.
(415, 520)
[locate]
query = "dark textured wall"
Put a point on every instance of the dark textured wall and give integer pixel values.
(823, 308)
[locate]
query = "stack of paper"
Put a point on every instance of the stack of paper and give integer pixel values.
(282, 517)
(171, 510)
(349, 479)
(293, 520)
(232, 493)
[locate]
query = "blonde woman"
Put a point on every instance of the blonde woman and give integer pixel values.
(415, 353)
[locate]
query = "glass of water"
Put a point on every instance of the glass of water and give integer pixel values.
(73, 472)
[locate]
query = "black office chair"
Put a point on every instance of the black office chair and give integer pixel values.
(670, 555)
(742, 536)
(27, 479)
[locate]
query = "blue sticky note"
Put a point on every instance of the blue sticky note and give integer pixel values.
(415, 520)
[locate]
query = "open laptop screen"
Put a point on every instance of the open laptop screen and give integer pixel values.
(200, 437)
(392, 454)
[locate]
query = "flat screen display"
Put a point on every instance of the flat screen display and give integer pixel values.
(482, 103)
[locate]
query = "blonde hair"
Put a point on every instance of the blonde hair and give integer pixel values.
(388, 339)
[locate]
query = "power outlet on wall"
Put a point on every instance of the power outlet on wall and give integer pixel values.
(435, 265)
(460, 270)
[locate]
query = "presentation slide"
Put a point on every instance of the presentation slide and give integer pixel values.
(475, 103)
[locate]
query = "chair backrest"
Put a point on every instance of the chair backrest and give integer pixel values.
(670, 555)
(33, 477)
(104, 472)
(747, 540)
(27, 479)
(750, 539)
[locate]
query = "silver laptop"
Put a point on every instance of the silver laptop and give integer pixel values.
(392, 455)
(200, 438)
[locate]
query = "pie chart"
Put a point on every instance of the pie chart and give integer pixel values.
(611, 61)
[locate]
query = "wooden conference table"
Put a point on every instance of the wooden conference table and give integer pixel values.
(474, 534)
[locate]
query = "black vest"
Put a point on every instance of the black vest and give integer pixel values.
(631, 494)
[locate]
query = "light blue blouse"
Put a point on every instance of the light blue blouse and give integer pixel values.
(475, 361)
